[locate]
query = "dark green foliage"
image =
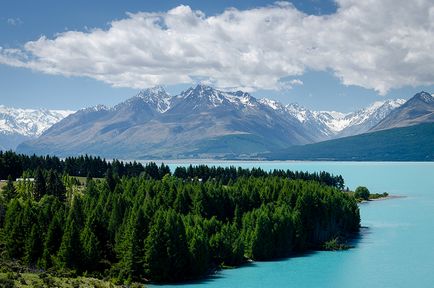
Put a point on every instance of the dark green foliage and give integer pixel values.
(110, 179)
(55, 185)
(52, 241)
(131, 263)
(9, 191)
(165, 228)
(33, 246)
(69, 255)
(396, 144)
(39, 186)
(167, 255)
(362, 193)
(224, 175)
(87, 166)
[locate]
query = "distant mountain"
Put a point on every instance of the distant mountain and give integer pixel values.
(413, 143)
(200, 122)
(417, 110)
(331, 124)
(18, 125)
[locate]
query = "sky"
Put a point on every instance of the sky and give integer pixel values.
(322, 54)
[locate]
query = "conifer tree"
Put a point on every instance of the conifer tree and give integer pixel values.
(9, 192)
(69, 255)
(131, 265)
(55, 185)
(91, 249)
(39, 186)
(111, 182)
(52, 241)
(33, 246)
(167, 253)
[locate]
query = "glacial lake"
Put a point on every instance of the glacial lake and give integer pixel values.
(396, 244)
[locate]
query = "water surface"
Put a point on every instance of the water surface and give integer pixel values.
(396, 249)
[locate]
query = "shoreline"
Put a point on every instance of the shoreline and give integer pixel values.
(388, 197)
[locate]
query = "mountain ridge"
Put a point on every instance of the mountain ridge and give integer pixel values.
(200, 122)
(417, 110)
(396, 144)
(18, 125)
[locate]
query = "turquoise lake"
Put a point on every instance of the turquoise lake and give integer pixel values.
(396, 245)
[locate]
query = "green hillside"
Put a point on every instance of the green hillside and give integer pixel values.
(414, 143)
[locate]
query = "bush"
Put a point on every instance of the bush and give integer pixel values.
(362, 193)
(7, 283)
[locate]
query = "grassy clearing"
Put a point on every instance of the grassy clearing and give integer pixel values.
(83, 179)
(42, 280)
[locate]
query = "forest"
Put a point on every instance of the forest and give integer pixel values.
(163, 227)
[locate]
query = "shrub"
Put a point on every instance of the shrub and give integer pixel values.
(362, 193)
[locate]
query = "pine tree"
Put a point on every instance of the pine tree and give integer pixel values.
(131, 264)
(90, 249)
(166, 248)
(199, 251)
(55, 185)
(111, 182)
(9, 192)
(52, 241)
(39, 186)
(33, 246)
(14, 232)
(69, 255)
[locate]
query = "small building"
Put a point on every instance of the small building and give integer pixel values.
(25, 179)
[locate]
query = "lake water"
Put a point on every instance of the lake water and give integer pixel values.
(396, 249)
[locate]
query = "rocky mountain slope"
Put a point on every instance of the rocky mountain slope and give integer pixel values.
(201, 122)
(417, 110)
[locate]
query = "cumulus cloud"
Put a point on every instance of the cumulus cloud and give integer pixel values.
(376, 44)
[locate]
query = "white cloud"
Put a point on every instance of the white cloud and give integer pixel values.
(376, 44)
(14, 21)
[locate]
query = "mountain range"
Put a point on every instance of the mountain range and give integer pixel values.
(18, 125)
(404, 134)
(201, 122)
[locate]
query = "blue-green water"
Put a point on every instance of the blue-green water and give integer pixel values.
(395, 250)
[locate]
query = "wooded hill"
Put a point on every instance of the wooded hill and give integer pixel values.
(168, 228)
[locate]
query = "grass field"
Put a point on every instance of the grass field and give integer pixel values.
(13, 279)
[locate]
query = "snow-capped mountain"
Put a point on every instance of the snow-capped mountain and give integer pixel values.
(17, 125)
(157, 97)
(363, 120)
(200, 122)
(333, 124)
(417, 110)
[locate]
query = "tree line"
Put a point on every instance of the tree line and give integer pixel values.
(167, 228)
(93, 166)
(231, 173)
(89, 166)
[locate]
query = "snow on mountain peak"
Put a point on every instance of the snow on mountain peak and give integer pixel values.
(157, 97)
(273, 104)
(29, 122)
(95, 108)
(426, 97)
(333, 122)
(214, 97)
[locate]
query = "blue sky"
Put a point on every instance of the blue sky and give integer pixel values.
(322, 83)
